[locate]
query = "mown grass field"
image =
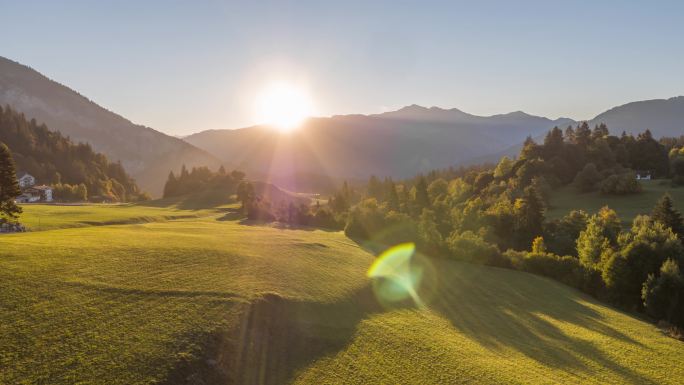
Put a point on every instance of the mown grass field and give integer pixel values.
(567, 199)
(155, 302)
(37, 217)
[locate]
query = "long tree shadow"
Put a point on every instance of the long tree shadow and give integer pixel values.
(516, 312)
(275, 337)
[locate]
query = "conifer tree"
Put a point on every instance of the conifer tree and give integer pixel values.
(665, 213)
(170, 185)
(422, 198)
(392, 196)
(9, 186)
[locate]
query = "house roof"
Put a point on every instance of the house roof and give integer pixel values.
(41, 187)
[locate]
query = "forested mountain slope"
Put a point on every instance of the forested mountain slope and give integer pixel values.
(399, 143)
(145, 153)
(53, 159)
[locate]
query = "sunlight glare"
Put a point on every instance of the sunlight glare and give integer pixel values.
(284, 106)
(398, 279)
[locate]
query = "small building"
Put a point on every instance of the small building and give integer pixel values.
(643, 175)
(25, 179)
(43, 192)
(27, 197)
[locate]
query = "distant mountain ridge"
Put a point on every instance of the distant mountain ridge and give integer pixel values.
(398, 143)
(146, 154)
(664, 117)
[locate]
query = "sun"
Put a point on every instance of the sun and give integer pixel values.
(284, 106)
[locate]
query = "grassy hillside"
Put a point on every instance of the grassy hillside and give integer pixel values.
(567, 199)
(178, 300)
(41, 217)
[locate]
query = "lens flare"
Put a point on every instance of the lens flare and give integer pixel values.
(395, 277)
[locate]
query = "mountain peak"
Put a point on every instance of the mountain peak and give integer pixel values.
(413, 108)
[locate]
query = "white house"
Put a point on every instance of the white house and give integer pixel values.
(27, 197)
(25, 179)
(43, 192)
(643, 175)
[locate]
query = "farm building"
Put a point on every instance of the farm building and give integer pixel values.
(25, 179)
(43, 192)
(31, 193)
(643, 175)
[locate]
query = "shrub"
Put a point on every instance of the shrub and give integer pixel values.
(663, 295)
(470, 247)
(325, 218)
(586, 179)
(620, 184)
(565, 269)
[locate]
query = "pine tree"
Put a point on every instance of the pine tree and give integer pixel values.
(9, 186)
(583, 134)
(392, 196)
(553, 142)
(170, 185)
(530, 149)
(665, 213)
(570, 135)
(422, 198)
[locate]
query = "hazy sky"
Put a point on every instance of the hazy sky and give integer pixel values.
(186, 66)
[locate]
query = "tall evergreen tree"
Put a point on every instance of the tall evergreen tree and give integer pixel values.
(529, 217)
(392, 196)
(9, 186)
(422, 198)
(553, 142)
(583, 135)
(665, 213)
(170, 185)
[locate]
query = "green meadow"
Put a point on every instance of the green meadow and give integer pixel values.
(175, 293)
(567, 199)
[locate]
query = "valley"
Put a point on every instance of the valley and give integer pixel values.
(166, 301)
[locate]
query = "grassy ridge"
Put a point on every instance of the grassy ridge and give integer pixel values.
(38, 217)
(567, 199)
(131, 303)
(490, 325)
(49, 217)
(125, 304)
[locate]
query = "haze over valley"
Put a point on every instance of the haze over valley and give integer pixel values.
(358, 192)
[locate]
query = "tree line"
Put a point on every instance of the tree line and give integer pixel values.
(496, 216)
(75, 170)
(201, 179)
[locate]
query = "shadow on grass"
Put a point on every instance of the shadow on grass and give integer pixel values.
(275, 338)
(231, 214)
(283, 226)
(198, 201)
(515, 312)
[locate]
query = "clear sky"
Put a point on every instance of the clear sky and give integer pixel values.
(187, 66)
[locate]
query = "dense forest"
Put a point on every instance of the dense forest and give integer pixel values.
(495, 215)
(75, 170)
